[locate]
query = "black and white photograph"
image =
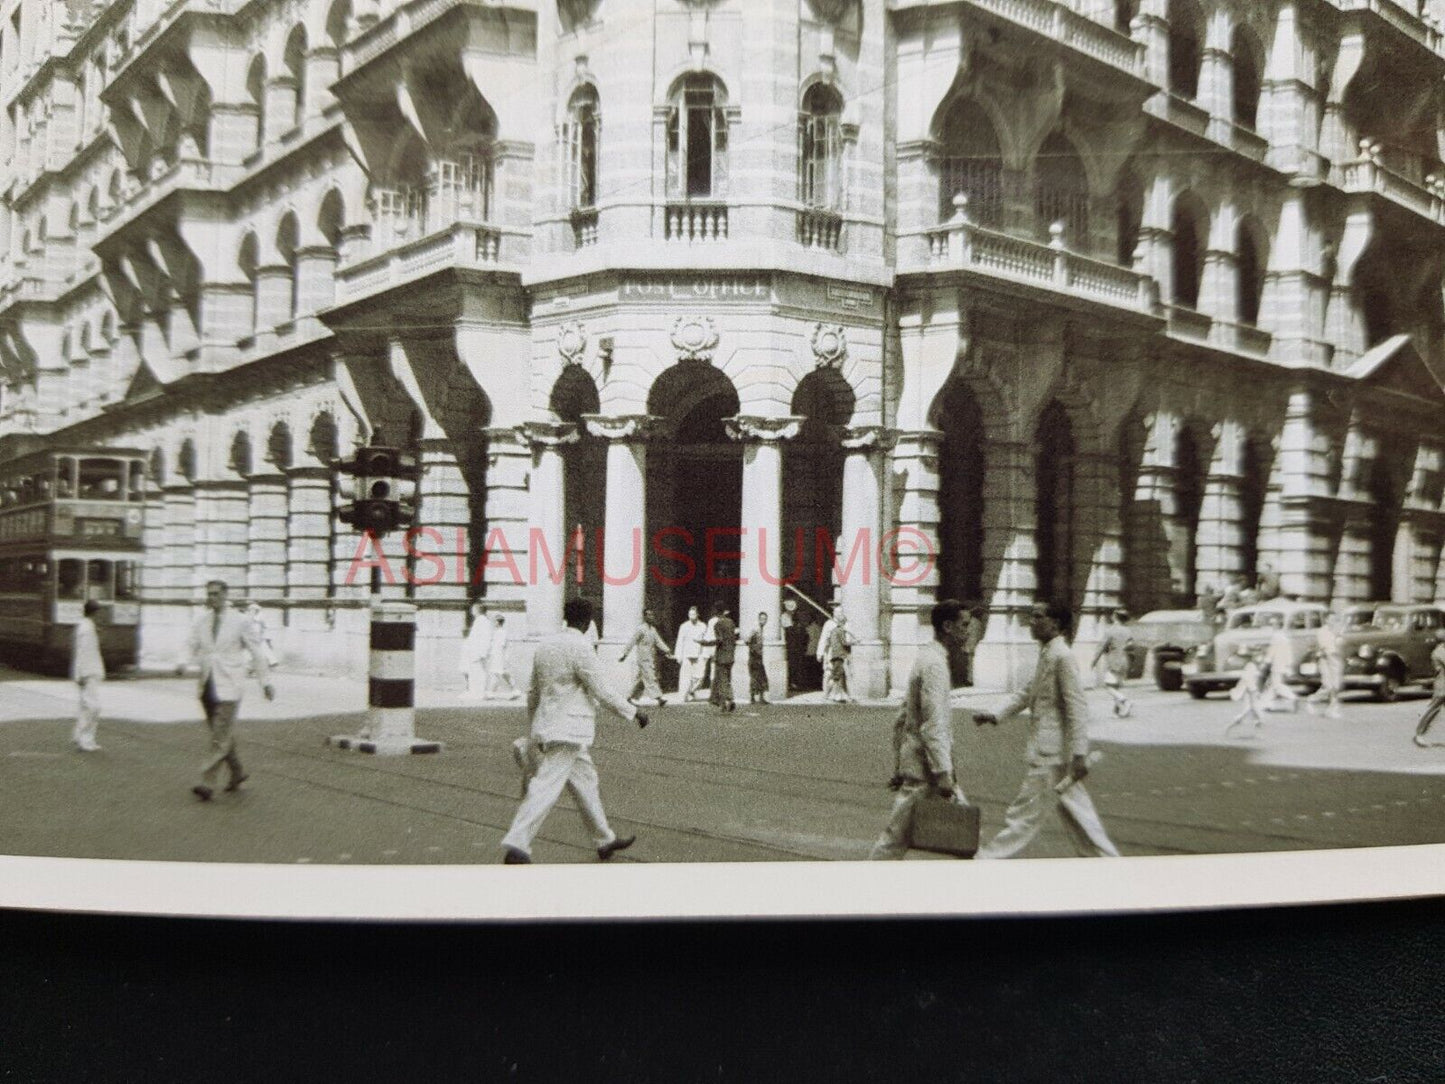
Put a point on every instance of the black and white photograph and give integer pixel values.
(467, 434)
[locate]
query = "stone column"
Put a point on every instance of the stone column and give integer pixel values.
(1151, 26)
(221, 511)
(1303, 533)
(1216, 75)
(1007, 655)
(273, 296)
(624, 547)
(1153, 522)
(913, 587)
(234, 131)
(266, 549)
(1425, 560)
(280, 114)
(180, 543)
(160, 627)
(316, 275)
(440, 569)
(1220, 539)
(508, 513)
(860, 589)
(308, 542)
(1097, 566)
(1351, 577)
(761, 541)
(547, 527)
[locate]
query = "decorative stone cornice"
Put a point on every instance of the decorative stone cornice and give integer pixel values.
(621, 427)
(547, 435)
(860, 438)
(762, 430)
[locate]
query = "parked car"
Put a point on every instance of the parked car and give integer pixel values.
(1386, 646)
(1167, 638)
(1218, 665)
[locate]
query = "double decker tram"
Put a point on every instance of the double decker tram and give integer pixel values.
(71, 524)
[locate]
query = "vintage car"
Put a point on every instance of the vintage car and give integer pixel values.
(1385, 645)
(1247, 631)
(1168, 637)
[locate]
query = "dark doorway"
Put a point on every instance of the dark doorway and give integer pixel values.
(584, 486)
(1054, 505)
(960, 508)
(694, 487)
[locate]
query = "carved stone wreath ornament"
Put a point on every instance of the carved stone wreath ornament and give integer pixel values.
(830, 345)
(572, 343)
(694, 338)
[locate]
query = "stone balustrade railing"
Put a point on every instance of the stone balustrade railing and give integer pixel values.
(1373, 172)
(695, 222)
(462, 244)
(961, 245)
(1063, 24)
(820, 229)
(1426, 30)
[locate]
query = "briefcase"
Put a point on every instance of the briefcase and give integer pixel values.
(943, 826)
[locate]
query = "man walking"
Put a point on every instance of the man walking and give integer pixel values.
(567, 686)
(725, 647)
(757, 669)
(923, 732)
(1330, 659)
(87, 670)
(1114, 654)
(647, 642)
(688, 653)
(1437, 699)
(1058, 749)
(221, 639)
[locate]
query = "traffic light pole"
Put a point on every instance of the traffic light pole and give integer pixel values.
(373, 503)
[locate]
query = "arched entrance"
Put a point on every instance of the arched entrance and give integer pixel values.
(813, 507)
(694, 491)
(960, 505)
(1189, 478)
(584, 471)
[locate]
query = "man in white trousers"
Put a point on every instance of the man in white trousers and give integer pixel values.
(923, 734)
(1058, 749)
(567, 685)
(221, 640)
(87, 670)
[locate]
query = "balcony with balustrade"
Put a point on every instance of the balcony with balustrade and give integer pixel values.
(1397, 177)
(1002, 261)
(1055, 27)
(1397, 25)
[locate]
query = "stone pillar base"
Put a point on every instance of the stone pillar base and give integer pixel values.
(869, 677)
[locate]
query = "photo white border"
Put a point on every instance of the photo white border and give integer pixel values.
(1026, 887)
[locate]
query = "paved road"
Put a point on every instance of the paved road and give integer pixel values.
(797, 781)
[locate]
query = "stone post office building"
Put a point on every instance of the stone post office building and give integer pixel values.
(1107, 301)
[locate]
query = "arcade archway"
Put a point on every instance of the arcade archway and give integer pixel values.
(694, 491)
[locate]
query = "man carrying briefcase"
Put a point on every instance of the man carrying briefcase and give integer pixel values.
(923, 752)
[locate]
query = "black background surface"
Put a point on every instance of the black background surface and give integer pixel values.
(1316, 994)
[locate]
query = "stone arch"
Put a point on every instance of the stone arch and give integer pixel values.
(323, 439)
(813, 473)
(337, 28)
(1251, 267)
(1186, 47)
(240, 458)
(1191, 470)
(255, 85)
(694, 482)
(962, 460)
(970, 159)
(1056, 504)
(293, 61)
(186, 461)
(278, 446)
(288, 245)
(330, 216)
(1248, 55)
(573, 396)
(1189, 226)
(1061, 190)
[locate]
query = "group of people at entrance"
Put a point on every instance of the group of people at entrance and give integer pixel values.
(706, 653)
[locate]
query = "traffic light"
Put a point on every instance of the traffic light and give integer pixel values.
(373, 496)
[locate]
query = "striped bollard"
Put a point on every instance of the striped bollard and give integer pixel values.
(391, 711)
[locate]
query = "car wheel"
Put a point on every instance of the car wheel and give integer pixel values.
(1198, 692)
(1389, 687)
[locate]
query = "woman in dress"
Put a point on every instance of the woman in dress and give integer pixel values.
(838, 649)
(647, 642)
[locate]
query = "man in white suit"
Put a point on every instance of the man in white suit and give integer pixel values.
(87, 670)
(567, 685)
(221, 639)
(1058, 749)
